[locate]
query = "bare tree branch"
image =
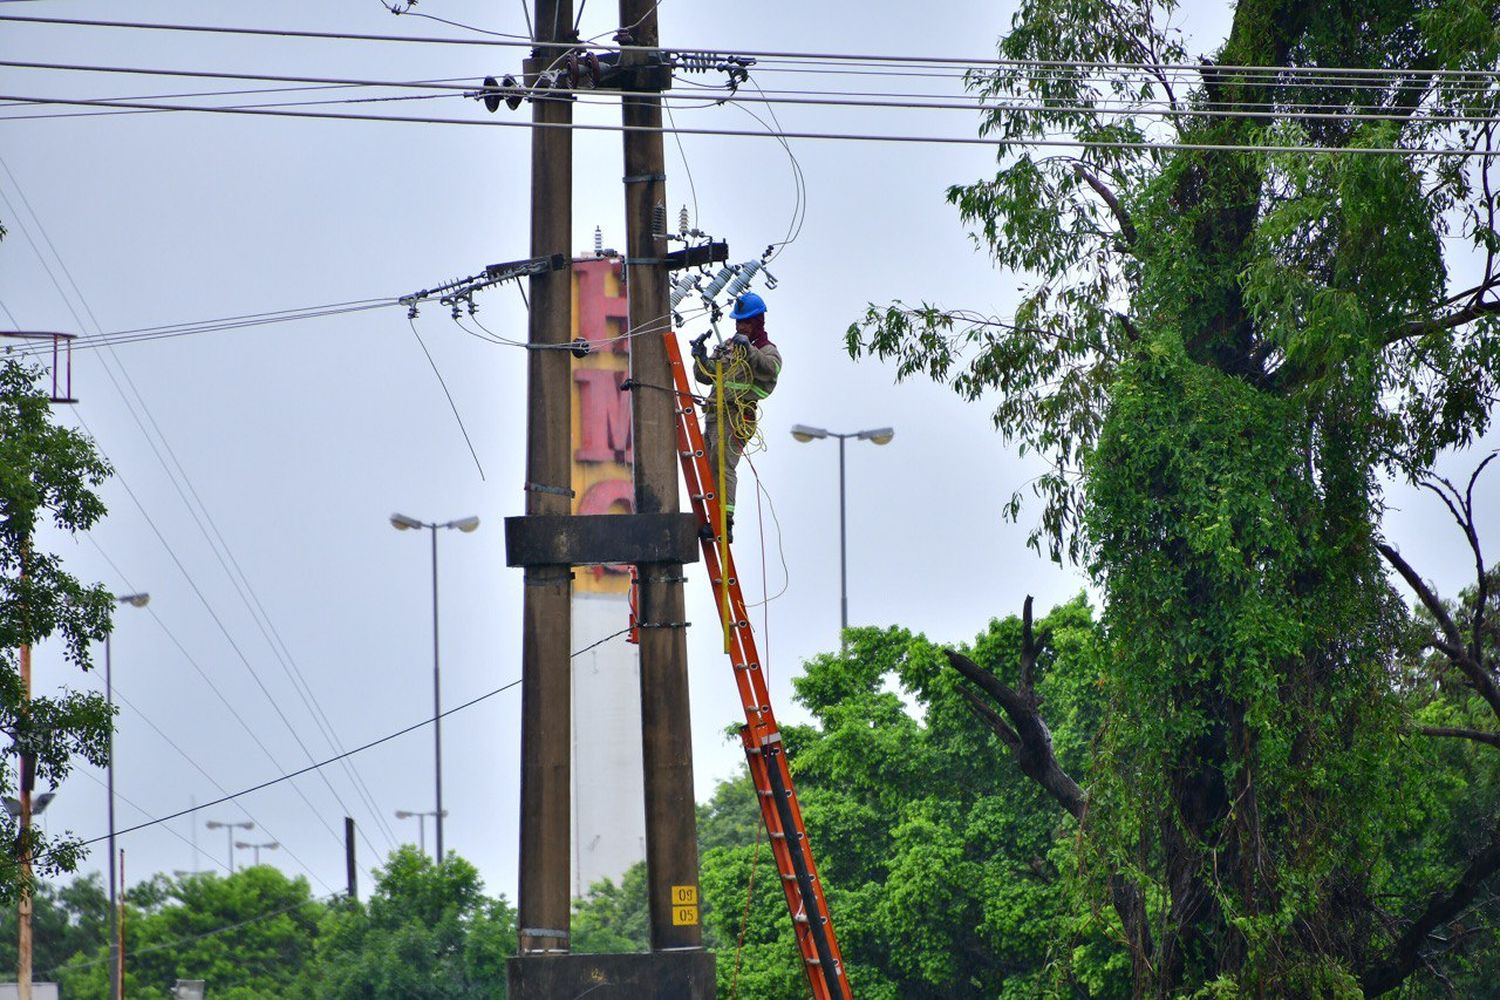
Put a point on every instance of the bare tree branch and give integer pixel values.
(1451, 644)
(991, 718)
(1033, 749)
(1127, 228)
(1482, 581)
(1478, 736)
(1030, 740)
(1408, 953)
(1474, 310)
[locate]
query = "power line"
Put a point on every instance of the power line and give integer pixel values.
(178, 486)
(151, 610)
(1017, 141)
(349, 753)
(767, 55)
(222, 790)
(145, 812)
(456, 85)
(311, 767)
(151, 333)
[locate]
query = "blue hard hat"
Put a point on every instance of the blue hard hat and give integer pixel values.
(748, 305)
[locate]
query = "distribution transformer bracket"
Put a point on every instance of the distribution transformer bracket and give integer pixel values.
(698, 256)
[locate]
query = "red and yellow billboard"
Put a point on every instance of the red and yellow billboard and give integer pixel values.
(602, 482)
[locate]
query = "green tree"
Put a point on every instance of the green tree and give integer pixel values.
(613, 918)
(66, 920)
(248, 935)
(945, 866)
(428, 931)
(1218, 354)
(47, 473)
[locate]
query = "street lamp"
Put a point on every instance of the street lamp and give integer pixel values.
(402, 522)
(229, 829)
(38, 804)
(421, 818)
(115, 986)
(269, 845)
(879, 435)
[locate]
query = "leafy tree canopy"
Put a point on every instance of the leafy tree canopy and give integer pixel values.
(1219, 352)
(47, 473)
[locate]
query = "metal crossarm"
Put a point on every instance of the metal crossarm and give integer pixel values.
(761, 736)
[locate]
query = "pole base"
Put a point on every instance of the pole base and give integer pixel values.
(660, 975)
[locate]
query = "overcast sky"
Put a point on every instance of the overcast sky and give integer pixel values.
(294, 442)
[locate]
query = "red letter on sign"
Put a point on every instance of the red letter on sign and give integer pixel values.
(595, 309)
(604, 415)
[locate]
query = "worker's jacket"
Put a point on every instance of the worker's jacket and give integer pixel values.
(749, 376)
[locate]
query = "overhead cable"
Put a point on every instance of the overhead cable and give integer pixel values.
(179, 480)
(311, 767)
(872, 58)
(1016, 141)
(453, 86)
(349, 753)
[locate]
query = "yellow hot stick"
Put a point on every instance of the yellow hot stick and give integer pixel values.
(723, 508)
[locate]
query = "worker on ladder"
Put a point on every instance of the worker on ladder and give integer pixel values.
(748, 364)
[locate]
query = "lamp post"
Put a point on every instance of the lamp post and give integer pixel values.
(421, 818)
(135, 601)
(879, 435)
(229, 829)
(269, 845)
(465, 524)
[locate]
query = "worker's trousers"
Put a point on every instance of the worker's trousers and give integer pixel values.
(733, 448)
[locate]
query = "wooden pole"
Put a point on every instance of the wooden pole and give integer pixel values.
(120, 928)
(28, 773)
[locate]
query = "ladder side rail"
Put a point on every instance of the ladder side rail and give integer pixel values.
(780, 811)
(790, 886)
(819, 923)
(688, 422)
(695, 469)
(794, 808)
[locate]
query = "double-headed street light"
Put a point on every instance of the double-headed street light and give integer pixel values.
(402, 522)
(229, 829)
(269, 845)
(421, 818)
(880, 435)
(135, 601)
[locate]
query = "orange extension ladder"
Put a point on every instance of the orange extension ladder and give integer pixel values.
(821, 959)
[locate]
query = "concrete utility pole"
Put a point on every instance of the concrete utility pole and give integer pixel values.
(666, 729)
(547, 619)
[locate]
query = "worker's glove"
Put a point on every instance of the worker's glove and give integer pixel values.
(740, 340)
(699, 351)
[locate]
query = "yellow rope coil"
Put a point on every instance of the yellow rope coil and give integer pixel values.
(722, 497)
